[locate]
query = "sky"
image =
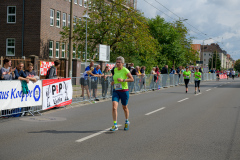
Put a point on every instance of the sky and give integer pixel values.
(209, 21)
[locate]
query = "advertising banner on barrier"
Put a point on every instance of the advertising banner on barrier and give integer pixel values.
(11, 95)
(57, 92)
(223, 76)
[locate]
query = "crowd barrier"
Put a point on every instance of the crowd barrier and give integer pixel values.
(50, 93)
(100, 88)
(41, 95)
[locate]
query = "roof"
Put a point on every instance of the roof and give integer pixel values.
(196, 47)
(211, 48)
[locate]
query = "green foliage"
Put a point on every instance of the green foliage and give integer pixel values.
(237, 65)
(214, 61)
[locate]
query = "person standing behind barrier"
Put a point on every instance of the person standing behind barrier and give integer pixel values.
(94, 81)
(131, 67)
(187, 76)
(197, 76)
(105, 81)
(85, 82)
(31, 73)
(143, 83)
(52, 71)
(6, 72)
(164, 72)
(19, 73)
(218, 74)
(158, 76)
(171, 75)
(135, 74)
(121, 76)
(89, 67)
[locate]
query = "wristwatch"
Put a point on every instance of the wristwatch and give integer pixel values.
(124, 80)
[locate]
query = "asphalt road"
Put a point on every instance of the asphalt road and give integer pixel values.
(165, 125)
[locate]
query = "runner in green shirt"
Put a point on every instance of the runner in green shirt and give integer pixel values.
(186, 75)
(198, 77)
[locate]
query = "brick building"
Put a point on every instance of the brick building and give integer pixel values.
(32, 27)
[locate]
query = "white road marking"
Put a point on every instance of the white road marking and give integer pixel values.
(183, 99)
(94, 135)
(208, 90)
(198, 94)
(155, 111)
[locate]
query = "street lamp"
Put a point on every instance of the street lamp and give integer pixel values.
(87, 17)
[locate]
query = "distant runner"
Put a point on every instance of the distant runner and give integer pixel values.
(187, 76)
(228, 72)
(197, 76)
(233, 74)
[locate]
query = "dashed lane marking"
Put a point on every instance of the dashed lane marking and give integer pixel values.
(183, 100)
(155, 111)
(94, 135)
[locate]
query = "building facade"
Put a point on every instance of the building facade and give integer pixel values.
(33, 27)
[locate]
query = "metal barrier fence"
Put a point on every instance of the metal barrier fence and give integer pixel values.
(92, 89)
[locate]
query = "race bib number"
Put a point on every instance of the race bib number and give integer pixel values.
(118, 86)
(196, 79)
(187, 77)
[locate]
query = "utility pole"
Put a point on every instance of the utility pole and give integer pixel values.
(212, 60)
(70, 41)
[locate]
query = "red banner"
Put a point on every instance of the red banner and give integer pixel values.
(44, 66)
(223, 76)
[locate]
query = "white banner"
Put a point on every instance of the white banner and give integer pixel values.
(11, 95)
(57, 92)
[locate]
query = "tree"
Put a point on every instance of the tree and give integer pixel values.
(172, 40)
(214, 61)
(124, 29)
(237, 65)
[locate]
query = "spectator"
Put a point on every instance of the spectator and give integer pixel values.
(143, 83)
(131, 67)
(171, 75)
(89, 67)
(153, 70)
(84, 81)
(157, 80)
(164, 71)
(52, 72)
(6, 72)
(94, 81)
(135, 74)
(106, 81)
(31, 73)
(19, 74)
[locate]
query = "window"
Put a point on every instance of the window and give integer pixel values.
(63, 50)
(75, 1)
(50, 48)
(74, 22)
(51, 17)
(85, 3)
(64, 19)
(80, 2)
(10, 47)
(58, 19)
(69, 20)
(57, 49)
(204, 54)
(11, 14)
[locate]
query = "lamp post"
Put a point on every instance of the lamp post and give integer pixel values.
(70, 41)
(86, 16)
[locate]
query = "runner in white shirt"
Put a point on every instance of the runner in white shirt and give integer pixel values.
(233, 74)
(228, 72)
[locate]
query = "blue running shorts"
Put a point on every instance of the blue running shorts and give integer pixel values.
(124, 96)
